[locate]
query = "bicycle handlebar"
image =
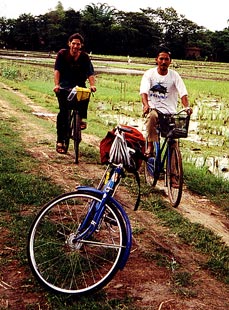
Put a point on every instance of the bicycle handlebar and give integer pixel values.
(73, 91)
(187, 110)
(124, 129)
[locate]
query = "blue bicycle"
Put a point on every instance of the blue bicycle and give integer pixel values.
(167, 159)
(79, 240)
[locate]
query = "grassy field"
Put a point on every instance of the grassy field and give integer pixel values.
(117, 98)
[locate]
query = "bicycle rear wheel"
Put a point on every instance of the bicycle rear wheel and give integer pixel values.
(174, 174)
(65, 265)
(76, 134)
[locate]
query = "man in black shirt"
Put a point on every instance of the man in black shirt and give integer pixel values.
(73, 67)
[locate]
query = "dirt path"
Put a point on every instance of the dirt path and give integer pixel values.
(148, 284)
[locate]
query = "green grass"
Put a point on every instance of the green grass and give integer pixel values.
(204, 183)
(202, 239)
(198, 89)
(18, 185)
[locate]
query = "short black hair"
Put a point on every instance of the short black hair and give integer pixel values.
(76, 36)
(162, 48)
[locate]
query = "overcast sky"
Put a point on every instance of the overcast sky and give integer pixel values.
(211, 14)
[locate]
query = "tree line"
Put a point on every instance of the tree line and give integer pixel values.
(108, 31)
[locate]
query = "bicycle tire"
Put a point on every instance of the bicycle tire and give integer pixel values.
(64, 266)
(174, 174)
(76, 134)
(151, 167)
(67, 139)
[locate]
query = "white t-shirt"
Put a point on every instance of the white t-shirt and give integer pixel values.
(163, 90)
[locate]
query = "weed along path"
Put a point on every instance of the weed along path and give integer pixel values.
(162, 273)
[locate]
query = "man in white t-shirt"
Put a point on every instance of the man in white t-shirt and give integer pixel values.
(160, 88)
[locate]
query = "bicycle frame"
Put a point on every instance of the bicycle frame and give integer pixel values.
(94, 223)
(162, 152)
(75, 131)
(98, 208)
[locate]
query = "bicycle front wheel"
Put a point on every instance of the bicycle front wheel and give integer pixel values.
(76, 134)
(174, 174)
(64, 264)
(69, 132)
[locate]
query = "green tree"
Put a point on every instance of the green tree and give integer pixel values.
(137, 34)
(97, 21)
(24, 33)
(177, 31)
(52, 30)
(220, 45)
(72, 22)
(4, 32)
(109, 31)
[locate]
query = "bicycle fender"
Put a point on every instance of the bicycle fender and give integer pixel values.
(125, 217)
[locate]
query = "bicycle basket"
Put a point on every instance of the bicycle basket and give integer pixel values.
(164, 124)
(174, 125)
(181, 126)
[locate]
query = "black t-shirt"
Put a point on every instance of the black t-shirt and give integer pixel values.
(73, 72)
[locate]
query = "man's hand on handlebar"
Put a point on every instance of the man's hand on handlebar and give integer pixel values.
(93, 88)
(146, 110)
(188, 110)
(56, 89)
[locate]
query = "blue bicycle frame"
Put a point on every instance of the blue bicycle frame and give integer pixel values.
(162, 153)
(89, 225)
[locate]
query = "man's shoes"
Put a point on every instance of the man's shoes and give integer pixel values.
(83, 125)
(61, 148)
(150, 150)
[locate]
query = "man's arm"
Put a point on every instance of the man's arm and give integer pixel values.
(91, 80)
(56, 81)
(145, 103)
(185, 103)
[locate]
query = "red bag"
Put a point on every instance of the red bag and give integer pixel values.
(135, 140)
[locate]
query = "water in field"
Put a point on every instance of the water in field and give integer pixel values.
(209, 128)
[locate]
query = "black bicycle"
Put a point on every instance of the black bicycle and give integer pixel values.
(78, 98)
(168, 159)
